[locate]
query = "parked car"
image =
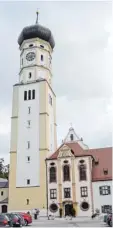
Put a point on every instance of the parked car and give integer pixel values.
(14, 219)
(109, 220)
(4, 220)
(105, 218)
(27, 218)
(21, 218)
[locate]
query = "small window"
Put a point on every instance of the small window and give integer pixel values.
(53, 193)
(29, 123)
(29, 110)
(33, 94)
(42, 57)
(2, 193)
(50, 99)
(81, 161)
(84, 191)
(67, 193)
(41, 46)
(52, 163)
(28, 158)
(27, 201)
(96, 162)
(31, 45)
(106, 209)
(105, 190)
(105, 171)
(25, 95)
(65, 161)
(71, 137)
(28, 181)
(29, 95)
(28, 144)
(30, 75)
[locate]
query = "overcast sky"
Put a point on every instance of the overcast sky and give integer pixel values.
(82, 65)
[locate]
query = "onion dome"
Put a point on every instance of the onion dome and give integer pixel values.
(36, 31)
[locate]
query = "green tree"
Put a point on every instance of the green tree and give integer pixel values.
(4, 169)
(1, 166)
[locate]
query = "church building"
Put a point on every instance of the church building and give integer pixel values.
(41, 175)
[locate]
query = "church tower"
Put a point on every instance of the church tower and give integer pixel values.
(33, 122)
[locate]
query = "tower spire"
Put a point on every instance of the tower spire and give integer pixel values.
(37, 13)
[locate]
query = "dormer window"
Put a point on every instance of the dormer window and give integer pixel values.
(96, 162)
(71, 137)
(105, 171)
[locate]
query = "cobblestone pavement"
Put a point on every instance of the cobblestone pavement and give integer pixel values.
(68, 223)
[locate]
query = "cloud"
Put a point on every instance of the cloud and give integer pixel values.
(91, 119)
(82, 65)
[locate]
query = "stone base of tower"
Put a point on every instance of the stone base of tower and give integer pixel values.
(36, 196)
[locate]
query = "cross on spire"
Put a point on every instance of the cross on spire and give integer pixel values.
(37, 13)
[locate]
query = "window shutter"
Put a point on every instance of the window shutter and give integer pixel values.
(109, 190)
(100, 190)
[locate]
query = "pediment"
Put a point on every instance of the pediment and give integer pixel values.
(65, 151)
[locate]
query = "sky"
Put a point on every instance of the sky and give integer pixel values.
(82, 66)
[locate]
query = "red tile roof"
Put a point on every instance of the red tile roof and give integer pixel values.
(103, 155)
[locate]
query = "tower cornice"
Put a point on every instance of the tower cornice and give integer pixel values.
(33, 82)
(35, 65)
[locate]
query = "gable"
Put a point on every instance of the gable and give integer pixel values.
(65, 151)
(71, 136)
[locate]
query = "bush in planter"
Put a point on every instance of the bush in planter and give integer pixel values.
(60, 212)
(73, 212)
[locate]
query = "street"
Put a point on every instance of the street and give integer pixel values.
(68, 223)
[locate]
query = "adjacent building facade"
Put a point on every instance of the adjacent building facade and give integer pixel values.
(79, 178)
(4, 191)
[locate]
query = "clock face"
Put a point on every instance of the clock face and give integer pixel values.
(30, 56)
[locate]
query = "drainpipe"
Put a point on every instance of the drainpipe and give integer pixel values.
(46, 186)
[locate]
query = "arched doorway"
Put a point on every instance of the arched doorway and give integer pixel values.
(4, 208)
(68, 209)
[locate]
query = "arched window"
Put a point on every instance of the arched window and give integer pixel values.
(29, 95)
(71, 137)
(27, 201)
(52, 174)
(66, 173)
(82, 172)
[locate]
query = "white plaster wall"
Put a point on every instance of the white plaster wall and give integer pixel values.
(27, 170)
(100, 200)
(37, 73)
(82, 184)
(51, 124)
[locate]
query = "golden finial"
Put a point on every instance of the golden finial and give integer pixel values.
(37, 13)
